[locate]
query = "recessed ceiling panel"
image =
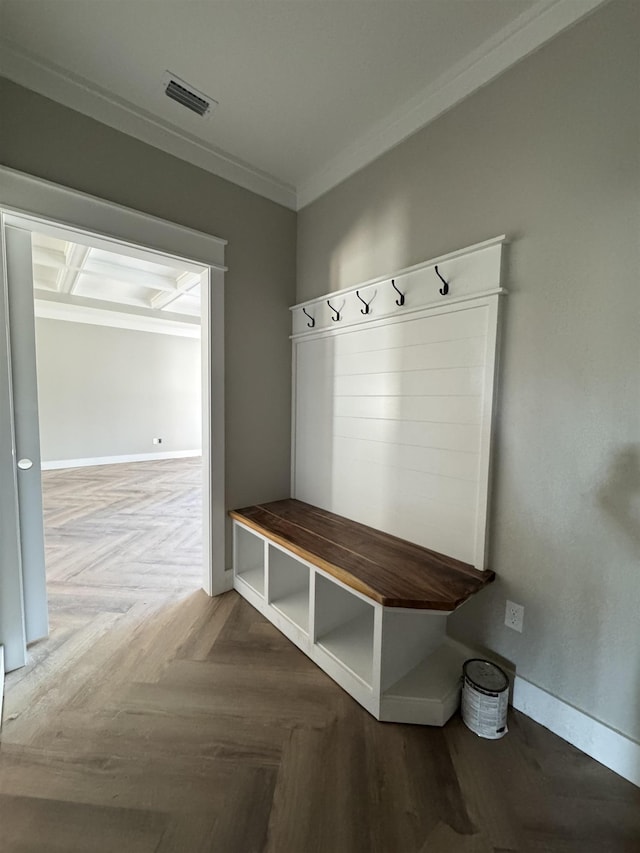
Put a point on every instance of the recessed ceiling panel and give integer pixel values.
(186, 304)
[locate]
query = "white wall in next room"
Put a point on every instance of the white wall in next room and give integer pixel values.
(108, 392)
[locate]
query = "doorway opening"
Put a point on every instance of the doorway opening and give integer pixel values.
(90, 223)
(118, 355)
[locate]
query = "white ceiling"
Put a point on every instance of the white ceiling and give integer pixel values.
(89, 284)
(308, 90)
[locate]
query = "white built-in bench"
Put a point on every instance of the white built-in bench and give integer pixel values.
(368, 608)
(393, 398)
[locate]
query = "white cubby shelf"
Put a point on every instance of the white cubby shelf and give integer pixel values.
(396, 661)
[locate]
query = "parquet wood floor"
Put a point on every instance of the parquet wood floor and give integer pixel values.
(157, 720)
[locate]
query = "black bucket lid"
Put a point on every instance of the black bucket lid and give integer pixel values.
(485, 676)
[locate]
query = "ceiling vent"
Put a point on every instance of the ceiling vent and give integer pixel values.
(187, 95)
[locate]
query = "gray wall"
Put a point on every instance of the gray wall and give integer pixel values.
(549, 154)
(108, 392)
(42, 138)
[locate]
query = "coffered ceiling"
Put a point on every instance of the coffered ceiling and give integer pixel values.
(92, 285)
(308, 91)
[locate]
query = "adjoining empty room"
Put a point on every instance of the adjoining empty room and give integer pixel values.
(119, 397)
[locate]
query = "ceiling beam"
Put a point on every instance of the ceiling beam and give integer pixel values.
(73, 300)
(75, 259)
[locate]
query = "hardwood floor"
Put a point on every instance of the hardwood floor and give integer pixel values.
(157, 719)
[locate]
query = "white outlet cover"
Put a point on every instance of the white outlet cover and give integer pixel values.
(514, 616)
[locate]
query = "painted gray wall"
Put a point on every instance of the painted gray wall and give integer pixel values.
(108, 392)
(549, 154)
(42, 138)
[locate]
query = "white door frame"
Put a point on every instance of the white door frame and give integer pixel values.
(36, 205)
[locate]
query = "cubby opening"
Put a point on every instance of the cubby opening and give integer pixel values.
(249, 558)
(408, 638)
(344, 627)
(289, 587)
(430, 692)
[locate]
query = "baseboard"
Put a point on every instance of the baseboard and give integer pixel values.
(114, 460)
(607, 746)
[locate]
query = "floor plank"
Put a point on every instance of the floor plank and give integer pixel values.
(157, 719)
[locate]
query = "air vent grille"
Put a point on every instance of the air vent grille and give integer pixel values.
(187, 95)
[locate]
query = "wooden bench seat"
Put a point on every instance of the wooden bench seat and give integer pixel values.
(389, 570)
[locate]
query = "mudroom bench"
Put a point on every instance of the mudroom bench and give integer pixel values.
(368, 608)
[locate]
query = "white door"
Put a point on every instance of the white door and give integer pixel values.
(23, 613)
(12, 633)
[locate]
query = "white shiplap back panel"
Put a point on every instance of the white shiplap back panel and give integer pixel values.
(468, 352)
(448, 381)
(397, 447)
(314, 421)
(434, 436)
(448, 410)
(392, 419)
(406, 334)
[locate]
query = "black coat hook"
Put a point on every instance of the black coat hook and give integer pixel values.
(443, 290)
(399, 302)
(337, 313)
(313, 322)
(366, 309)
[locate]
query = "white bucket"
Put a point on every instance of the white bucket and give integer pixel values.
(485, 698)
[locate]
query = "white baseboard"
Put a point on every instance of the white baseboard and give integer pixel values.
(616, 751)
(114, 460)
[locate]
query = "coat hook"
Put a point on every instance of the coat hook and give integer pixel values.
(366, 309)
(443, 290)
(399, 302)
(337, 313)
(313, 322)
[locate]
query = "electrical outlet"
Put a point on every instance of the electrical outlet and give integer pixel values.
(157, 441)
(514, 616)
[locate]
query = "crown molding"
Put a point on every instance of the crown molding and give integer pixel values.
(524, 35)
(85, 97)
(520, 38)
